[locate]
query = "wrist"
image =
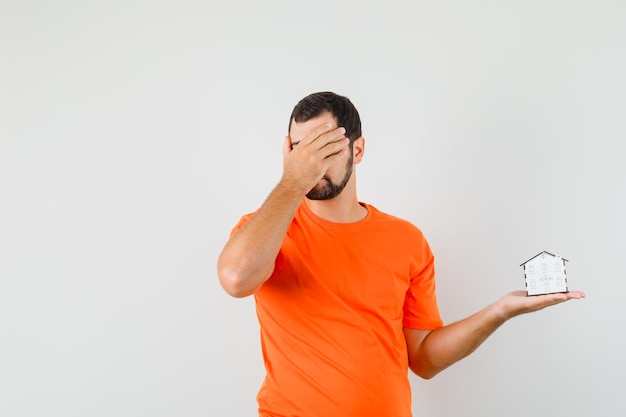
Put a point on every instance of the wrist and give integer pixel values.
(292, 188)
(501, 310)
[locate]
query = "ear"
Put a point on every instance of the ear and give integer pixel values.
(287, 146)
(358, 149)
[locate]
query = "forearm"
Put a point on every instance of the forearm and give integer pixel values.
(432, 352)
(248, 258)
(449, 344)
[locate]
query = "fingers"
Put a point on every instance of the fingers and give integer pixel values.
(517, 302)
(336, 148)
(307, 157)
(560, 297)
(334, 137)
(330, 145)
(317, 132)
(325, 140)
(547, 300)
(323, 135)
(336, 145)
(576, 294)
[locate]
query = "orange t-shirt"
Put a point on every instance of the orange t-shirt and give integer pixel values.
(331, 316)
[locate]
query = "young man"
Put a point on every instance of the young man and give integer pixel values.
(345, 294)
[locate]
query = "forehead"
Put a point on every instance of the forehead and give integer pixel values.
(299, 130)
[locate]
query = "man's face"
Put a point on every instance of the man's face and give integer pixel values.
(337, 176)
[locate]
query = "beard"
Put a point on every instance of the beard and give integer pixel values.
(329, 189)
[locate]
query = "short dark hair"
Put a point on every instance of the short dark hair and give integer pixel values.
(339, 106)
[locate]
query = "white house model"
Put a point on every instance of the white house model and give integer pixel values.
(545, 274)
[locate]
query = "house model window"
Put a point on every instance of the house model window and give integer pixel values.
(545, 274)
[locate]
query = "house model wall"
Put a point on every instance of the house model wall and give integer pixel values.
(545, 274)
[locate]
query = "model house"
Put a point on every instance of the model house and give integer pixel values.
(545, 274)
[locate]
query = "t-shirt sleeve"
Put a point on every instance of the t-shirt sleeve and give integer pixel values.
(244, 219)
(241, 223)
(420, 304)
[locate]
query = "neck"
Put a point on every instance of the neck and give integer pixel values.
(344, 208)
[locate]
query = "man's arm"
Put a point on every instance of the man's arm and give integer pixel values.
(248, 258)
(430, 352)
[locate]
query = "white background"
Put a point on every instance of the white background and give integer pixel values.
(134, 134)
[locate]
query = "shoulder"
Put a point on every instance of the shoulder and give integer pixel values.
(393, 223)
(378, 216)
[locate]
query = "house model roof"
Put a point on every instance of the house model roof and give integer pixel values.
(542, 252)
